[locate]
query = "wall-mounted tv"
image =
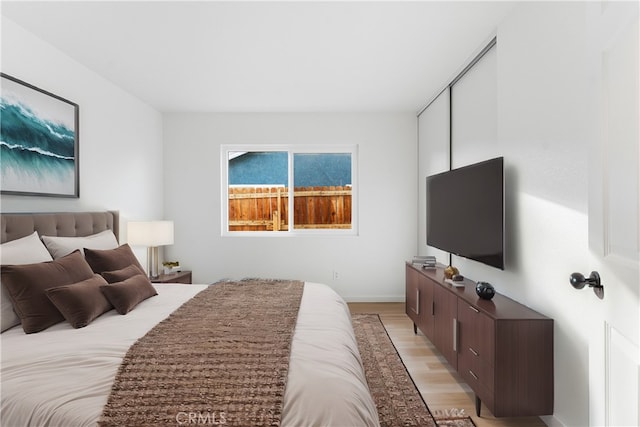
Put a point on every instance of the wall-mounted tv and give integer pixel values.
(465, 212)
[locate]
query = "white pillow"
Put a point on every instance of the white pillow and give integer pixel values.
(26, 250)
(61, 246)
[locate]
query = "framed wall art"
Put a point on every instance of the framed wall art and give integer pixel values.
(38, 141)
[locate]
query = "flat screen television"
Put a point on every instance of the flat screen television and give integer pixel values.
(465, 212)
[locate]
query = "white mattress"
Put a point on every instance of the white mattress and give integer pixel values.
(62, 376)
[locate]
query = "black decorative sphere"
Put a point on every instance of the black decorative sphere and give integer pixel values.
(485, 290)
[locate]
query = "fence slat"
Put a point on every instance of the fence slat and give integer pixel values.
(267, 209)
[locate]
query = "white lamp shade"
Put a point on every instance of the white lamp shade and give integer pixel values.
(150, 233)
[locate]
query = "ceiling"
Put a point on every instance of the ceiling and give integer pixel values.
(239, 56)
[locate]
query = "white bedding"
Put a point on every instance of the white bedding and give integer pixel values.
(62, 376)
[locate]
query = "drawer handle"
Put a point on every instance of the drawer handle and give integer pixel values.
(475, 353)
(473, 375)
(455, 335)
(474, 309)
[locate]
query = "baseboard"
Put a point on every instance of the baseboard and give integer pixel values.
(370, 298)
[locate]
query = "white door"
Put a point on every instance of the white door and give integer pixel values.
(614, 235)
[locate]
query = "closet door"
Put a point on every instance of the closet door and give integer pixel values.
(474, 128)
(433, 154)
(474, 113)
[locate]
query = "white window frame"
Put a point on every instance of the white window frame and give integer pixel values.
(291, 149)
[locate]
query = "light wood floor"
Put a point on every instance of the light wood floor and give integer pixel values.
(440, 386)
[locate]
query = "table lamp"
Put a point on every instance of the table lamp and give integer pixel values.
(150, 234)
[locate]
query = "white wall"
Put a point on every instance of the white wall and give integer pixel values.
(543, 124)
(370, 265)
(120, 136)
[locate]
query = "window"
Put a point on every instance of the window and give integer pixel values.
(288, 190)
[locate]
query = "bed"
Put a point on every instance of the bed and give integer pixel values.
(65, 376)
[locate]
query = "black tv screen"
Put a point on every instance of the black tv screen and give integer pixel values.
(465, 212)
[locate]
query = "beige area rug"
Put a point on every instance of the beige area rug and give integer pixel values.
(398, 400)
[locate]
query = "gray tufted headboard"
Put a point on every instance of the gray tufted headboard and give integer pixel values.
(63, 224)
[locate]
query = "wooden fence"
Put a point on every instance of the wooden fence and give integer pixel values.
(267, 209)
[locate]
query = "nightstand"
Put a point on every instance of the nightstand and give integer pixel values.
(179, 277)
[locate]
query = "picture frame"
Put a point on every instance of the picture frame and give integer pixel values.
(39, 141)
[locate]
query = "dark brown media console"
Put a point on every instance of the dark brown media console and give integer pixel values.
(501, 348)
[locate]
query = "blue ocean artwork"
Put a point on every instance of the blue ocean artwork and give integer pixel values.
(37, 152)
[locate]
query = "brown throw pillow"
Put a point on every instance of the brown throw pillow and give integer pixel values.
(27, 283)
(111, 259)
(127, 294)
(80, 303)
(122, 274)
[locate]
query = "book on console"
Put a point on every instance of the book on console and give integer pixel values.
(424, 260)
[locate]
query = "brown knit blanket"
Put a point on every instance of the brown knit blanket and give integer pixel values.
(220, 359)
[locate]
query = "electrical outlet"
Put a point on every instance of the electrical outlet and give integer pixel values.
(335, 275)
